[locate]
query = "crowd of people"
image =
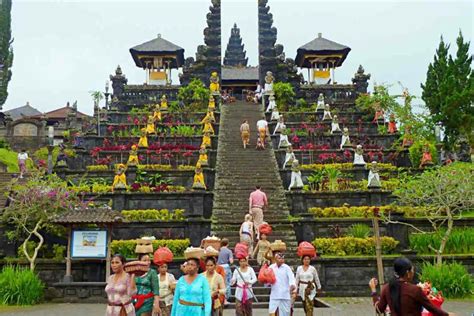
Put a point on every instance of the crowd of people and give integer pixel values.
(207, 293)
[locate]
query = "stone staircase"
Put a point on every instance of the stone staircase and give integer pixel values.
(238, 170)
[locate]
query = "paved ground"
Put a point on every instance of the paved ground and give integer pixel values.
(341, 307)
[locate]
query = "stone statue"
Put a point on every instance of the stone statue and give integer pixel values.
(463, 150)
(275, 114)
(143, 141)
(164, 103)
(296, 181)
(203, 160)
(157, 113)
(373, 181)
(120, 179)
(280, 127)
(133, 156)
(392, 125)
(289, 156)
(345, 140)
(198, 181)
(214, 85)
(271, 103)
(407, 137)
(320, 104)
(206, 121)
(359, 156)
(335, 129)
(212, 103)
(379, 115)
(426, 159)
(327, 113)
(269, 82)
(61, 160)
(284, 142)
(206, 140)
(150, 125)
(210, 116)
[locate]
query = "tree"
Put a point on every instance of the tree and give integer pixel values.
(6, 51)
(34, 205)
(449, 90)
(445, 193)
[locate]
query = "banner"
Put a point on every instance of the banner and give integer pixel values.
(89, 244)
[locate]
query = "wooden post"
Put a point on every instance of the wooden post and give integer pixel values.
(107, 259)
(378, 249)
(68, 276)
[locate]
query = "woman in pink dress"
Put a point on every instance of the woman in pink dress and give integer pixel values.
(120, 288)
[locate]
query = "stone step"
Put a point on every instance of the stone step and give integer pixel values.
(238, 170)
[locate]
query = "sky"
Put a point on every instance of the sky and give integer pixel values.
(65, 49)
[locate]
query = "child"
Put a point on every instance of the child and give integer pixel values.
(263, 246)
(246, 232)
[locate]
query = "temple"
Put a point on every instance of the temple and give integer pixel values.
(235, 53)
(157, 57)
(320, 57)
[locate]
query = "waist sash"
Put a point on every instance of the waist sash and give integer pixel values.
(186, 303)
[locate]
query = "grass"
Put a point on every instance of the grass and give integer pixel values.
(9, 158)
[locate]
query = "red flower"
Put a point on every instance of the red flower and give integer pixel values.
(135, 186)
(136, 121)
(188, 154)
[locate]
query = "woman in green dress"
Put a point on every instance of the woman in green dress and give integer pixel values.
(147, 299)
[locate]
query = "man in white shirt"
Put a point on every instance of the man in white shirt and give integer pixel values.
(283, 288)
(262, 127)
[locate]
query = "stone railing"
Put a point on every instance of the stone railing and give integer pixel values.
(138, 94)
(332, 92)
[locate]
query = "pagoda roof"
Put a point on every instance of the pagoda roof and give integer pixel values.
(89, 216)
(322, 47)
(22, 112)
(239, 74)
(158, 47)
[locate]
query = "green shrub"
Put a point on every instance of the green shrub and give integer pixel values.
(350, 246)
(4, 144)
(20, 286)
(284, 95)
(416, 152)
(10, 159)
(59, 252)
(461, 240)
(364, 211)
(452, 279)
(30, 247)
(153, 215)
(359, 231)
(127, 247)
(195, 95)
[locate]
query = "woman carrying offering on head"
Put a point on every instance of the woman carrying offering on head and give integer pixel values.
(167, 283)
(120, 288)
(307, 281)
(244, 277)
(147, 299)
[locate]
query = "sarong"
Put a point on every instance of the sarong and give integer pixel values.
(245, 136)
(262, 132)
(283, 307)
(243, 309)
(308, 303)
(165, 310)
(257, 215)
